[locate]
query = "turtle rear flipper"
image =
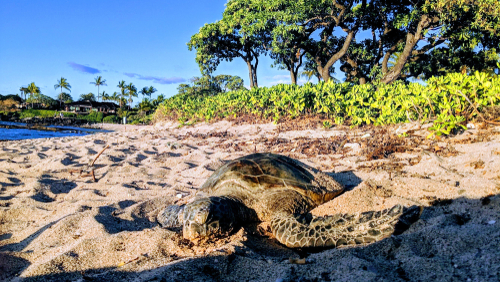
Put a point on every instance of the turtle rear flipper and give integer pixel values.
(341, 229)
(171, 216)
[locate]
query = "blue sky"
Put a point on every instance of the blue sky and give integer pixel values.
(143, 42)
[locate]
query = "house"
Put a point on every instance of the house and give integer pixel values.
(88, 106)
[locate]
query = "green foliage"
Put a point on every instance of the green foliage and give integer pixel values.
(315, 34)
(42, 113)
(225, 40)
(92, 116)
(450, 100)
(99, 81)
(14, 97)
(132, 92)
(43, 99)
(211, 85)
(64, 97)
(87, 97)
(112, 119)
(327, 124)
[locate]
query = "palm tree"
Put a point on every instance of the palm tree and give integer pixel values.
(33, 90)
(105, 96)
(151, 91)
(98, 82)
(122, 87)
(115, 97)
(132, 92)
(24, 91)
(144, 91)
(308, 74)
(145, 106)
(63, 83)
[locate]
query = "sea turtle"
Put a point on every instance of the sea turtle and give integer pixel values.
(279, 190)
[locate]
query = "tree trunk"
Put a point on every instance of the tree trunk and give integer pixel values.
(411, 42)
(325, 70)
(252, 73)
(293, 76)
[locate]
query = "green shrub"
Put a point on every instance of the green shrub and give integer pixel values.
(449, 100)
(42, 113)
(111, 119)
(92, 117)
(140, 118)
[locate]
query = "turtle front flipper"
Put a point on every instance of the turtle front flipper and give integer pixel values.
(342, 229)
(171, 216)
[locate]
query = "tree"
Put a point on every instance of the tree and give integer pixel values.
(132, 92)
(105, 96)
(225, 41)
(302, 26)
(441, 61)
(210, 86)
(461, 24)
(144, 91)
(145, 106)
(289, 59)
(224, 82)
(64, 97)
(328, 32)
(33, 90)
(62, 83)
(45, 100)
(151, 91)
(156, 102)
(122, 87)
(115, 97)
(98, 81)
(87, 97)
(24, 91)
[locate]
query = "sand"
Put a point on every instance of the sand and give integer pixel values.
(57, 223)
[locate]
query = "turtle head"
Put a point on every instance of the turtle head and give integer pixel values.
(209, 217)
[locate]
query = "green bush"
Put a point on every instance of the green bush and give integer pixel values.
(449, 100)
(111, 119)
(140, 118)
(92, 117)
(42, 113)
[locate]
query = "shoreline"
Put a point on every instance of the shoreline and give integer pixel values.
(20, 131)
(58, 223)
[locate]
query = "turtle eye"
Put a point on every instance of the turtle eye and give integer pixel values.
(213, 226)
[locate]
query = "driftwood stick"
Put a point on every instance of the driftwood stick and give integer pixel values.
(92, 164)
(93, 176)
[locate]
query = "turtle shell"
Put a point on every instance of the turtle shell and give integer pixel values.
(257, 173)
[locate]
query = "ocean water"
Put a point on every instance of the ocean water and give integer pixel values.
(23, 133)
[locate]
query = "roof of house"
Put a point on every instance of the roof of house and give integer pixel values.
(93, 104)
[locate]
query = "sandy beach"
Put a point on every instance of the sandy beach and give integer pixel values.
(63, 219)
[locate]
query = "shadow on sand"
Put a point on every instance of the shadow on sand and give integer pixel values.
(447, 243)
(49, 187)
